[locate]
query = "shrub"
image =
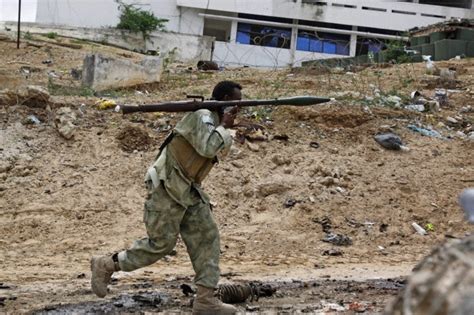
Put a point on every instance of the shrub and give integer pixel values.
(137, 20)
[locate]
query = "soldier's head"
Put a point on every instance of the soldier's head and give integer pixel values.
(227, 91)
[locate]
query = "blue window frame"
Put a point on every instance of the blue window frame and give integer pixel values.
(260, 35)
(323, 42)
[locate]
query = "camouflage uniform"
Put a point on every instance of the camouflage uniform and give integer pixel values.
(177, 204)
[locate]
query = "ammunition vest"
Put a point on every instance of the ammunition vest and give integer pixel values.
(194, 166)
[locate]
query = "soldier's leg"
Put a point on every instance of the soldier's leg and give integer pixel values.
(201, 236)
(162, 218)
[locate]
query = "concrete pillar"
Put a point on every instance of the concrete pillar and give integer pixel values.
(353, 45)
(294, 38)
(233, 32)
(416, 1)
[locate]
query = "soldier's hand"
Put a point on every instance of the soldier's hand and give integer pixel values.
(229, 116)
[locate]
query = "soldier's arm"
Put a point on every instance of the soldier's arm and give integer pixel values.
(202, 130)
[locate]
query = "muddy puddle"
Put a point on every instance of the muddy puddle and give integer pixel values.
(321, 296)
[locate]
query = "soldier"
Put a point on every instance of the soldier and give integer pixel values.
(176, 203)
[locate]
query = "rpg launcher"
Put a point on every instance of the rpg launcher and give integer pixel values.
(191, 106)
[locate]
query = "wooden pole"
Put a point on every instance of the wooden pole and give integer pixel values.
(19, 18)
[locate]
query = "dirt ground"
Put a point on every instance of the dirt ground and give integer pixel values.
(312, 170)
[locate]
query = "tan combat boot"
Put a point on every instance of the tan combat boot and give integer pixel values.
(102, 269)
(206, 303)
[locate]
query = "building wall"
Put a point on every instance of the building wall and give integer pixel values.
(407, 15)
(182, 47)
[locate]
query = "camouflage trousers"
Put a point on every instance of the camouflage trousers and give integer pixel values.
(165, 219)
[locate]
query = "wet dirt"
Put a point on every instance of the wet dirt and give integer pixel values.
(289, 298)
(62, 201)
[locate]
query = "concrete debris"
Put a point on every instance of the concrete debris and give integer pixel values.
(102, 73)
(466, 200)
(64, 121)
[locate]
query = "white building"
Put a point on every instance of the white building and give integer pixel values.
(268, 33)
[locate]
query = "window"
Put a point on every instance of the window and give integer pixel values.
(323, 42)
(369, 45)
(260, 35)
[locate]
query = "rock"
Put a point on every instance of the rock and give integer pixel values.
(280, 160)
(471, 136)
(327, 181)
(64, 121)
(444, 276)
(274, 185)
(253, 146)
(451, 121)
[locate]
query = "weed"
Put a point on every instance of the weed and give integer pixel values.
(28, 36)
(137, 20)
(56, 89)
(51, 35)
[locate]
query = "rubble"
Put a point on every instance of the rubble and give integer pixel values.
(65, 120)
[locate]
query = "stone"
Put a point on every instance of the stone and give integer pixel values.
(64, 121)
(253, 146)
(279, 160)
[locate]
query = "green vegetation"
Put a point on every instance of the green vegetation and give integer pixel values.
(137, 20)
(51, 35)
(28, 36)
(56, 89)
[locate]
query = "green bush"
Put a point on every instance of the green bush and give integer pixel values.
(137, 20)
(51, 35)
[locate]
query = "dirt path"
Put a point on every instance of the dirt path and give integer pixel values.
(65, 200)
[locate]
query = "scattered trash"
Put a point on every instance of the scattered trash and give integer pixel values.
(383, 227)
(429, 227)
(332, 307)
(239, 293)
(441, 95)
(466, 109)
(358, 307)
(281, 137)
(416, 108)
(76, 74)
(103, 104)
(333, 252)
(418, 229)
(187, 289)
(207, 65)
(252, 308)
(314, 144)
(466, 200)
(425, 131)
(451, 121)
(325, 222)
(32, 119)
(431, 68)
(47, 62)
(290, 203)
(337, 239)
(53, 74)
(390, 141)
